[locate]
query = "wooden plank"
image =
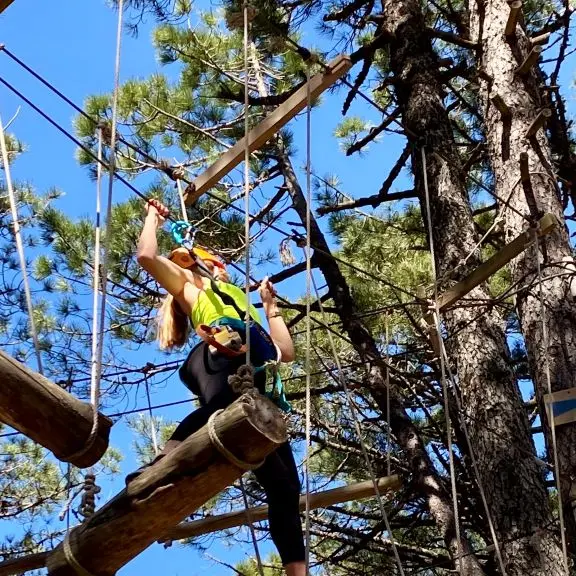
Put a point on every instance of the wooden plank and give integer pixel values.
(48, 414)
(172, 489)
(546, 224)
(260, 134)
(562, 405)
(324, 499)
(4, 4)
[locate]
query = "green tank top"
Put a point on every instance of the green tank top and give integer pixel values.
(209, 306)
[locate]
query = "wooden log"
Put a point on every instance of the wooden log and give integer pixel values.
(324, 499)
(260, 134)
(4, 4)
(49, 415)
(545, 225)
(538, 122)
(530, 61)
(23, 564)
(513, 16)
(172, 489)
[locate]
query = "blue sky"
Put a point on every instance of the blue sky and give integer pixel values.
(72, 44)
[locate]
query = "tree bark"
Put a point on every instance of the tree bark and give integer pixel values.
(49, 415)
(165, 494)
(499, 430)
(507, 142)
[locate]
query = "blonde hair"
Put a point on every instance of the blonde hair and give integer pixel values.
(173, 325)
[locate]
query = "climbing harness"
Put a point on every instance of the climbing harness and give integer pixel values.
(229, 336)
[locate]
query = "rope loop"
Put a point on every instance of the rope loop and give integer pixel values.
(217, 443)
(71, 559)
(183, 233)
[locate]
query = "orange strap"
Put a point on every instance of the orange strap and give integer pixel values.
(209, 335)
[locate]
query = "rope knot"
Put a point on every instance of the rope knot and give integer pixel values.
(88, 503)
(243, 380)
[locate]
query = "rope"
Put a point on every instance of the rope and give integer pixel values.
(358, 429)
(247, 220)
(436, 313)
(19, 246)
(243, 380)
(182, 202)
(71, 559)
(247, 216)
(389, 428)
(308, 251)
(445, 366)
(217, 443)
(88, 502)
(151, 416)
(546, 345)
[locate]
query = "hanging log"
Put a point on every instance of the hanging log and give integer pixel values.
(4, 4)
(324, 499)
(23, 564)
(49, 415)
(172, 489)
(261, 133)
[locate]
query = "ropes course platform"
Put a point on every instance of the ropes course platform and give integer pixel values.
(176, 486)
(49, 415)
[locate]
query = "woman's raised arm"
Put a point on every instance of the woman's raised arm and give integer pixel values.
(169, 275)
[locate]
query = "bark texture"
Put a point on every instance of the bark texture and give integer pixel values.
(500, 58)
(498, 426)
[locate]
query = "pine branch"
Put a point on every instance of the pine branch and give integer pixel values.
(374, 132)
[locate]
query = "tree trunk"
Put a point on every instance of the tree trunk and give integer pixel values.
(186, 478)
(49, 415)
(507, 142)
(498, 426)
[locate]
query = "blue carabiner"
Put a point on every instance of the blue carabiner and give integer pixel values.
(183, 233)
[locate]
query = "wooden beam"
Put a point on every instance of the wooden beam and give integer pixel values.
(172, 489)
(260, 134)
(562, 406)
(324, 499)
(538, 122)
(4, 4)
(545, 225)
(22, 564)
(48, 414)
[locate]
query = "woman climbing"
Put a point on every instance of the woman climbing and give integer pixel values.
(194, 300)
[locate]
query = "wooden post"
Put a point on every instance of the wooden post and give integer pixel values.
(531, 200)
(4, 4)
(530, 61)
(260, 134)
(324, 499)
(172, 489)
(49, 415)
(546, 224)
(514, 14)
